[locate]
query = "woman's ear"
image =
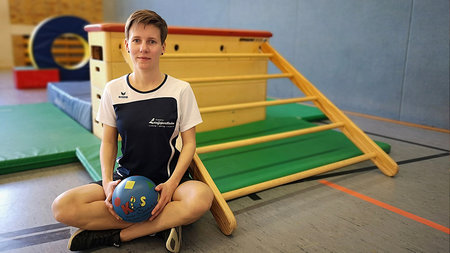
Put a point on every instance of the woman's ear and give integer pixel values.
(163, 48)
(126, 45)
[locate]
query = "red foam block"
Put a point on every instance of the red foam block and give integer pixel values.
(30, 78)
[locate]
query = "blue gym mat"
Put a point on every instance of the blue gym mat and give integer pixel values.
(74, 98)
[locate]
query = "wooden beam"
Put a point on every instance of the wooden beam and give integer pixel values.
(214, 55)
(196, 80)
(255, 104)
(220, 210)
(267, 138)
(294, 177)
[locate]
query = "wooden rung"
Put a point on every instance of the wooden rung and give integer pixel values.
(197, 80)
(267, 138)
(68, 51)
(297, 176)
(215, 55)
(255, 104)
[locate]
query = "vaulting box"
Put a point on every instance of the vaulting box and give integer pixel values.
(223, 66)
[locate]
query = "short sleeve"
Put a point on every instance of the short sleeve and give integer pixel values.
(106, 113)
(190, 114)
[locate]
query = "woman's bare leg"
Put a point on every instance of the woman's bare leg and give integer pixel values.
(84, 207)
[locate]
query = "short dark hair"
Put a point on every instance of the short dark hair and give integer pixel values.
(147, 17)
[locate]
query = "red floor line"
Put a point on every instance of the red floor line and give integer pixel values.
(387, 206)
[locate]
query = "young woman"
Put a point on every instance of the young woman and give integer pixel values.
(149, 110)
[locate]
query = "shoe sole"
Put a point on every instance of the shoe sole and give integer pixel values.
(69, 244)
(175, 237)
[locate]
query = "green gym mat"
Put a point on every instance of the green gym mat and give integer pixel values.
(39, 135)
(90, 158)
(305, 112)
(240, 167)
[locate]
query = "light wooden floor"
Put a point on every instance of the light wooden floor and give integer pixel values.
(305, 216)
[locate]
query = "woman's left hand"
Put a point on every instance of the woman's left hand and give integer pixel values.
(166, 191)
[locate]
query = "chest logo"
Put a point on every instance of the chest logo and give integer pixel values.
(123, 94)
(161, 123)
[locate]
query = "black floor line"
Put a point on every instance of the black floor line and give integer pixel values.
(254, 196)
(423, 158)
(409, 142)
(32, 230)
(340, 173)
(35, 239)
(393, 138)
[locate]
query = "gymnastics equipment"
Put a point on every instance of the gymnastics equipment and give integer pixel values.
(227, 70)
(39, 135)
(134, 198)
(42, 39)
(74, 98)
(30, 77)
(234, 53)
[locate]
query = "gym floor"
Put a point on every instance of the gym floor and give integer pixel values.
(354, 209)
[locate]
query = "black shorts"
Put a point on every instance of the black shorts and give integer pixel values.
(116, 177)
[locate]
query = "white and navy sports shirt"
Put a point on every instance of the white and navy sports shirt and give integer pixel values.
(149, 123)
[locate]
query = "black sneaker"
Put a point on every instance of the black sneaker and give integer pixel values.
(88, 239)
(172, 237)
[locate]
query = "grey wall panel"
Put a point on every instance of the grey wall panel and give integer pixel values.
(278, 17)
(425, 97)
(354, 52)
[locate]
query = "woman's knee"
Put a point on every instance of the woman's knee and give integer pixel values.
(206, 197)
(63, 208)
(67, 207)
(199, 200)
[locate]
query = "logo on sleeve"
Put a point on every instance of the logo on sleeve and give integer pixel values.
(123, 94)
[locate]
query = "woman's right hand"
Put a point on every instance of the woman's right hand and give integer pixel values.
(109, 190)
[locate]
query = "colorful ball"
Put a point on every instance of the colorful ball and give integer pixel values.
(134, 198)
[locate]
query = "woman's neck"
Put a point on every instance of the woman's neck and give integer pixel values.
(146, 81)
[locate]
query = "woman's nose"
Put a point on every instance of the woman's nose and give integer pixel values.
(144, 47)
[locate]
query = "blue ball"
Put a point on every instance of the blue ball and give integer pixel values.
(134, 198)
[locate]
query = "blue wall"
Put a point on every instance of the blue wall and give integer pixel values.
(388, 58)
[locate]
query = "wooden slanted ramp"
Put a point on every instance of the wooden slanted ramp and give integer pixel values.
(371, 151)
(227, 70)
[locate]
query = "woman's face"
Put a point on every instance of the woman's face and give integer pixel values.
(144, 45)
